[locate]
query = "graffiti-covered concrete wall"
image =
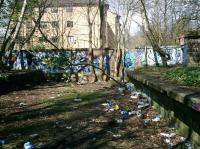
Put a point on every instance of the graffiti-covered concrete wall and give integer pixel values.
(58, 61)
(145, 56)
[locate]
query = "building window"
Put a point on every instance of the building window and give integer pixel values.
(55, 24)
(43, 24)
(54, 10)
(54, 39)
(69, 23)
(69, 8)
(71, 39)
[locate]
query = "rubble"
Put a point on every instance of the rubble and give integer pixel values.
(29, 145)
(3, 142)
(168, 135)
(157, 118)
(130, 87)
(78, 100)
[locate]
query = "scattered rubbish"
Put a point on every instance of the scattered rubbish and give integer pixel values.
(130, 100)
(134, 96)
(124, 114)
(132, 113)
(22, 104)
(28, 145)
(146, 122)
(121, 90)
(3, 142)
(78, 100)
(182, 138)
(117, 136)
(188, 145)
(144, 105)
(110, 104)
(130, 87)
(52, 97)
(197, 107)
(116, 107)
(139, 113)
(119, 121)
(168, 135)
(157, 118)
(69, 127)
(167, 141)
(104, 104)
(99, 121)
(34, 136)
(111, 109)
(126, 108)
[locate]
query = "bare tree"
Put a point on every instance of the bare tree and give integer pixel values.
(9, 42)
(126, 9)
(90, 24)
(152, 36)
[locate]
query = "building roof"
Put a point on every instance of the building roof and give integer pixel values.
(75, 3)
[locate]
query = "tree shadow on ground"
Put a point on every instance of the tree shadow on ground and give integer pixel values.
(51, 118)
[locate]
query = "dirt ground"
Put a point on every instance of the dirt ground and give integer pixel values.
(48, 116)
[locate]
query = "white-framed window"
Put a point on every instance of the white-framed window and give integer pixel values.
(69, 8)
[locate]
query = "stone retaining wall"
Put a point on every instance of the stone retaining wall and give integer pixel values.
(176, 103)
(21, 80)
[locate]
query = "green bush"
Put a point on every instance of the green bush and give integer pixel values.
(186, 75)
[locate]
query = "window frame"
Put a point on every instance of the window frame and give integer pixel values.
(70, 24)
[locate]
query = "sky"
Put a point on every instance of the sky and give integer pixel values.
(134, 24)
(136, 19)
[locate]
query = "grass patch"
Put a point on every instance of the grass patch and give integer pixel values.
(186, 75)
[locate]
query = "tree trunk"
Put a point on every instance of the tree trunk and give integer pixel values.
(119, 63)
(156, 58)
(102, 34)
(151, 36)
(91, 52)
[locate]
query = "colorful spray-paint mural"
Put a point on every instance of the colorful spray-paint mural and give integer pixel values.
(146, 56)
(43, 60)
(133, 59)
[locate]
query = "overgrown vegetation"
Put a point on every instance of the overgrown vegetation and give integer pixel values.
(186, 75)
(3, 76)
